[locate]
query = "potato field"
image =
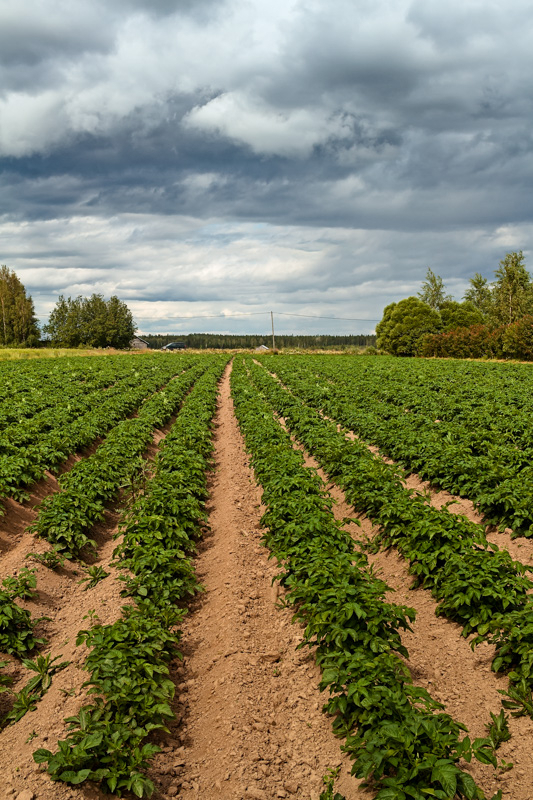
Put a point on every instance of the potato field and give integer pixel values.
(266, 576)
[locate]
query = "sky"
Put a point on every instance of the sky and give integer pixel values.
(210, 161)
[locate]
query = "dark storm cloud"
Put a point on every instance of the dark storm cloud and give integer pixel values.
(440, 182)
(164, 8)
(309, 154)
(27, 40)
(40, 33)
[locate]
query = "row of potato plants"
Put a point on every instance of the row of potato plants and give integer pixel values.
(25, 427)
(76, 424)
(401, 742)
(73, 399)
(467, 429)
(492, 396)
(17, 634)
(17, 628)
(476, 584)
(492, 400)
(129, 660)
(28, 388)
(66, 517)
(17, 637)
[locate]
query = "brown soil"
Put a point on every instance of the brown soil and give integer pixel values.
(442, 661)
(70, 608)
(63, 599)
(249, 721)
(521, 549)
(252, 724)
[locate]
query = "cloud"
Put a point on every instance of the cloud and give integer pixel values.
(170, 270)
(265, 129)
(44, 32)
(242, 154)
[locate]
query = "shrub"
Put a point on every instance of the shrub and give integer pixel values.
(518, 339)
(476, 341)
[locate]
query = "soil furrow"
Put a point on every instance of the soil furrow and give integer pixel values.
(249, 721)
(442, 661)
(70, 608)
(520, 549)
(252, 720)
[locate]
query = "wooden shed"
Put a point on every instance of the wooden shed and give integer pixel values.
(138, 344)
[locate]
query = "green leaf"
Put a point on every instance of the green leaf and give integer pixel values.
(41, 755)
(446, 774)
(497, 663)
(391, 793)
(467, 785)
(93, 740)
(485, 755)
(81, 776)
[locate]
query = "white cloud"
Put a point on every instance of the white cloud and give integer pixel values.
(265, 129)
(404, 128)
(29, 124)
(166, 268)
(283, 73)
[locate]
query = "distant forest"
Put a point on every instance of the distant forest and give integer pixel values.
(219, 341)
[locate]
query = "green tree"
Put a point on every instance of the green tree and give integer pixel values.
(18, 324)
(479, 293)
(55, 328)
(120, 323)
(518, 339)
(432, 292)
(90, 321)
(404, 324)
(460, 315)
(93, 321)
(512, 292)
(64, 324)
(384, 328)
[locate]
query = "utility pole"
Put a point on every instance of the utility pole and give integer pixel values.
(273, 339)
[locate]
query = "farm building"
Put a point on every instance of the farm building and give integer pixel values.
(138, 344)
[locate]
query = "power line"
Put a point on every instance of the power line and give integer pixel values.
(245, 314)
(195, 316)
(259, 313)
(315, 316)
(208, 316)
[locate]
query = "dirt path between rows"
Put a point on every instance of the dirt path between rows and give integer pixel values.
(249, 721)
(69, 607)
(520, 549)
(442, 661)
(252, 725)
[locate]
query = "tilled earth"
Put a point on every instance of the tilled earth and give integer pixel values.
(248, 711)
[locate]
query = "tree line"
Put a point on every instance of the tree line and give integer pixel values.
(18, 323)
(90, 321)
(96, 322)
(228, 341)
(498, 316)
(79, 322)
